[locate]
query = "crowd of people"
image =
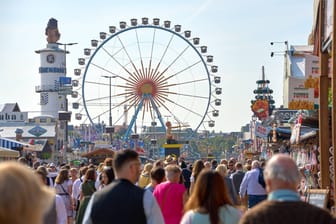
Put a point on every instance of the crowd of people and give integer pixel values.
(122, 190)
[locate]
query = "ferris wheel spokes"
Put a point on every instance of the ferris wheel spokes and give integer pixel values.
(159, 70)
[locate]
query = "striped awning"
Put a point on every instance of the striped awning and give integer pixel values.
(11, 144)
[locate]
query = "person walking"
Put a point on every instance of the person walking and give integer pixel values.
(283, 204)
(23, 198)
(63, 187)
(237, 177)
(87, 190)
(157, 175)
(198, 166)
(144, 179)
(107, 176)
(222, 170)
(250, 185)
(186, 174)
(57, 214)
(122, 201)
(76, 189)
(171, 195)
(209, 203)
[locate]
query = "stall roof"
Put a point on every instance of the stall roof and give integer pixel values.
(100, 151)
(11, 144)
(8, 153)
(30, 131)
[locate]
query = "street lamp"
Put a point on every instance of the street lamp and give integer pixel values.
(285, 53)
(65, 95)
(254, 120)
(110, 104)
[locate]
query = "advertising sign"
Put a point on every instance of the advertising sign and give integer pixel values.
(284, 115)
(261, 109)
(261, 131)
(303, 85)
(328, 22)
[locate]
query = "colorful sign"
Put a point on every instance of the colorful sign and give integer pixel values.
(284, 115)
(261, 109)
(303, 84)
(261, 131)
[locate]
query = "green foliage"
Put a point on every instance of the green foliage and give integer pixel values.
(329, 97)
(217, 144)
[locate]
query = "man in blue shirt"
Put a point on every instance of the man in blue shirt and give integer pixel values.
(250, 185)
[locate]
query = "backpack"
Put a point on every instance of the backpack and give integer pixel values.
(261, 179)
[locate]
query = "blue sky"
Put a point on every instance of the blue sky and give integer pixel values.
(238, 34)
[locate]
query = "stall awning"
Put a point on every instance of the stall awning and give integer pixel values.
(8, 153)
(11, 144)
(36, 145)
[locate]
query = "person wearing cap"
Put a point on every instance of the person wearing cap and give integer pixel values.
(170, 160)
(52, 174)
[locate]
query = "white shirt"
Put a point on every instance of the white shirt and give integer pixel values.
(76, 189)
(61, 212)
(152, 210)
(50, 176)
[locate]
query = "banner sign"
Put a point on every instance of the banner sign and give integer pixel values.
(261, 131)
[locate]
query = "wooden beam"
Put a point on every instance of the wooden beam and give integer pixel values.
(333, 89)
(323, 111)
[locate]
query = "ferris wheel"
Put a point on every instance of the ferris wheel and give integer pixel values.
(142, 74)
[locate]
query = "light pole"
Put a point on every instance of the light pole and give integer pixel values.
(110, 103)
(65, 143)
(254, 120)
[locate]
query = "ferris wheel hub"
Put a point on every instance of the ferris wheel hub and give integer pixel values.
(146, 86)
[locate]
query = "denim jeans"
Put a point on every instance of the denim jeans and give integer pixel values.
(255, 199)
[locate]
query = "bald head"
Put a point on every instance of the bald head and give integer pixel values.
(281, 172)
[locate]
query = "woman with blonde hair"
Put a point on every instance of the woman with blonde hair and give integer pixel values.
(144, 178)
(63, 187)
(23, 198)
(209, 202)
(222, 170)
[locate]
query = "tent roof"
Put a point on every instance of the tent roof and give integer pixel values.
(101, 151)
(8, 153)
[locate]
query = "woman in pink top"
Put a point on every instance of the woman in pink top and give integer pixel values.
(171, 195)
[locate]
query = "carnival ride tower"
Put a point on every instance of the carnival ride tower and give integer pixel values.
(263, 105)
(54, 85)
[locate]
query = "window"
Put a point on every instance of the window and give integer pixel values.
(43, 120)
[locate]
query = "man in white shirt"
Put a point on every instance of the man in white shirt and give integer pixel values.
(122, 201)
